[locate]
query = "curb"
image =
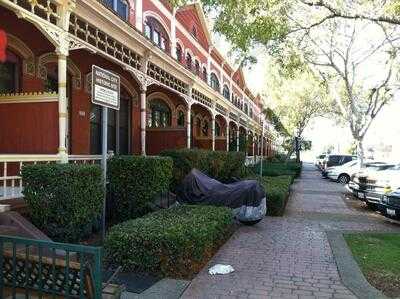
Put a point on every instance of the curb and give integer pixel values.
(349, 271)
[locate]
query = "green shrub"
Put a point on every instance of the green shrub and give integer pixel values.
(134, 181)
(217, 164)
(64, 200)
(277, 189)
(175, 241)
(279, 168)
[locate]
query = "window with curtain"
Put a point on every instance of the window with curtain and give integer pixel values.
(205, 74)
(155, 32)
(179, 52)
(205, 127)
(214, 82)
(226, 93)
(121, 7)
(10, 72)
(217, 129)
(189, 61)
(181, 118)
(197, 67)
(159, 114)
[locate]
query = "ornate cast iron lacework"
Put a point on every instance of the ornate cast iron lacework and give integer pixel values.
(103, 42)
(47, 10)
(233, 116)
(166, 78)
(221, 109)
(199, 97)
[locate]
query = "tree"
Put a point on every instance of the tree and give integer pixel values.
(296, 99)
(342, 52)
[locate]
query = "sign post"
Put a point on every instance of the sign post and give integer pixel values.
(106, 93)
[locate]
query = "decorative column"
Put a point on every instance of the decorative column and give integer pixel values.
(143, 120)
(237, 139)
(62, 104)
(213, 131)
(139, 15)
(227, 135)
(254, 144)
(189, 125)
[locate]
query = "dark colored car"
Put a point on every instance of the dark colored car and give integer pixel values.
(335, 160)
(390, 205)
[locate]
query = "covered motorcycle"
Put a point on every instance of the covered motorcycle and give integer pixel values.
(246, 198)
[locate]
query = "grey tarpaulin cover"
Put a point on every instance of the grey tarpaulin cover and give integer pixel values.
(247, 198)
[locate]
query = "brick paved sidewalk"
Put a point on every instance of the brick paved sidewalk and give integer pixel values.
(288, 257)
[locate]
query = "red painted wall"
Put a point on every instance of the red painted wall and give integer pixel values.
(220, 145)
(159, 140)
(29, 128)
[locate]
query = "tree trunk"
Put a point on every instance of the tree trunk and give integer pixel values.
(360, 151)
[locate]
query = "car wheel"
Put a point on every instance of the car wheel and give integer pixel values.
(372, 206)
(343, 179)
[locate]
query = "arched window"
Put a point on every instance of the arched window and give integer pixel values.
(226, 93)
(181, 118)
(10, 72)
(121, 7)
(205, 127)
(197, 67)
(155, 32)
(189, 61)
(205, 74)
(214, 82)
(246, 110)
(159, 114)
(179, 52)
(217, 129)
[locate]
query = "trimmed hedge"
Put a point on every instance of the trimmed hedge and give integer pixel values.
(134, 181)
(64, 200)
(277, 189)
(279, 168)
(220, 165)
(177, 241)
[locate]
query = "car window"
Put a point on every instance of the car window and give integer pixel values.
(335, 159)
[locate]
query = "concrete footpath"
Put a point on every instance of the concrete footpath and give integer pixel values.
(290, 256)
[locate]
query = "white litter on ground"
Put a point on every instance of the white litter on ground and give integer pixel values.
(220, 269)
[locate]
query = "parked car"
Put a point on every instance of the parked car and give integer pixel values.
(335, 160)
(343, 173)
(375, 184)
(319, 160)
(390, 205)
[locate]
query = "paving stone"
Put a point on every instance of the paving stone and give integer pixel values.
(290, 255)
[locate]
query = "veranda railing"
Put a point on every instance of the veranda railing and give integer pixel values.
(47, 269)
(11, 183)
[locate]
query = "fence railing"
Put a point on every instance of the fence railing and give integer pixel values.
(37, 268)
(11, 183)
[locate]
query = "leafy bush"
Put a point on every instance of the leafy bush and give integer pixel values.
(279, 168)
(176, 241)
(134, 181)
(64, 200)
(277, 189)
(218, 164)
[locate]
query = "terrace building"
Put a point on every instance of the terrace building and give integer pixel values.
(177, 90)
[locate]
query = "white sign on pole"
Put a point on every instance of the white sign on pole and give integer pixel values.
(105, 92)
(105, 88)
